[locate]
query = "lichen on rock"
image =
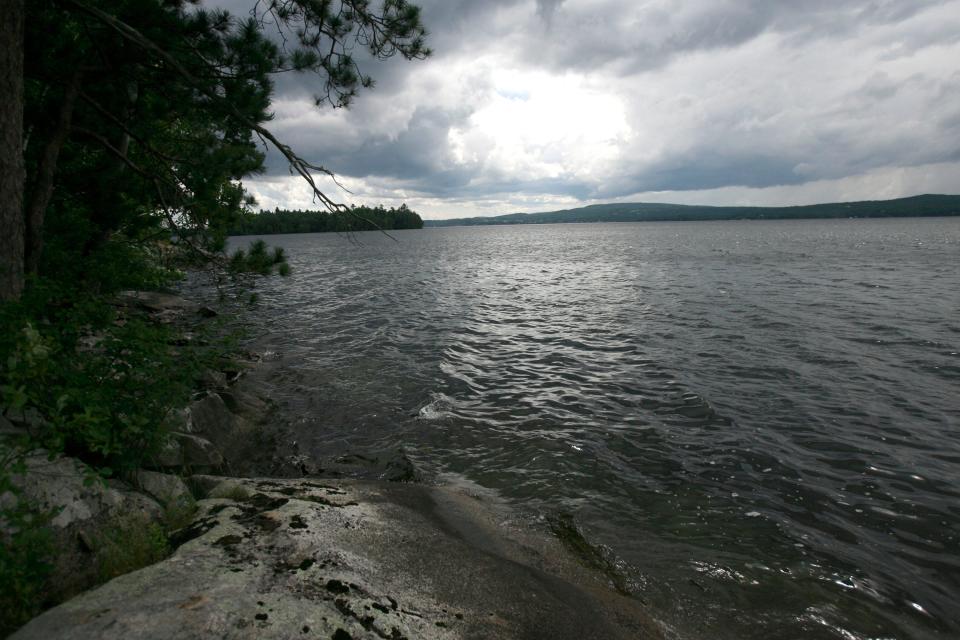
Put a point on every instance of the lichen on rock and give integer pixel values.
(268, 558)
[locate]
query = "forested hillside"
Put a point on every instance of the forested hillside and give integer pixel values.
(917, 206)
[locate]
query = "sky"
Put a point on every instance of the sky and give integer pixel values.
(538, 105)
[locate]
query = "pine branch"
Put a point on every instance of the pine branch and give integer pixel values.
(297, 164)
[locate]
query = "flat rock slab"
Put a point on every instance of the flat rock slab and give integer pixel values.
(350, 559)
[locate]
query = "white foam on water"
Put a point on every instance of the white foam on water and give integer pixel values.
(439, 407)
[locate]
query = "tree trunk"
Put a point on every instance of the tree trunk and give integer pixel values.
(12, 222)
(46, 170)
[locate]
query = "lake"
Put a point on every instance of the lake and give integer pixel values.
(759, 421)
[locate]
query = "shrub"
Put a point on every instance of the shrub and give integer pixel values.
(26, 551)
(108, 406)
(102, 385)
(130, 544)
(235, 492)
(178, 513)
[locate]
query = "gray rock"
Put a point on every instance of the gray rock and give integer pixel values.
(213, 380)
(198, 454)
(232, 435)
(201, 485)
(304, 558)
(212, 419)
(82, 511)
(7, 428)
(180, 421)
(238, 364)
(170, 457)
(29, 419)
(244, 402)
(400, 469)
(62, 484)
(157, 302)
(164, 487)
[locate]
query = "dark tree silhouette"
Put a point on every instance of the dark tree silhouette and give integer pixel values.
(11, 155)
(140, 117)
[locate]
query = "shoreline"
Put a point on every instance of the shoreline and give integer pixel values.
(351, 559)
(462, 564)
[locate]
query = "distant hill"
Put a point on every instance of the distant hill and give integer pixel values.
(913, 207)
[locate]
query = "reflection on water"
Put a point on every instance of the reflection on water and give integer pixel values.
(759, 418)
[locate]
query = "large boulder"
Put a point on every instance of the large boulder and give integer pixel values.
(212, 419)
(218, 431)
(166, 488)
(269, 559)
(197, 454)
(237, 438)
(243, 400)
(86, 510)
(80, 497)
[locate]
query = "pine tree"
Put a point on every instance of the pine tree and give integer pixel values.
(11, 157)
(141, 117)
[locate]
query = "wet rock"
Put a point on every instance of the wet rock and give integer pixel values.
(245, 402)
(179, 421)
(400, 469)
(568, 533)
(239, 363)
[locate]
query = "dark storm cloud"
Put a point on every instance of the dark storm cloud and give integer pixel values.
(612, 35)
(419, 150)
(883, 94)
(710, 169)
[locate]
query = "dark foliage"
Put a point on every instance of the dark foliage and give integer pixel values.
(357, 219)
(129, 125)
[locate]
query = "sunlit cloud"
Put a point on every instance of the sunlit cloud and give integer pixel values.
(548, 104)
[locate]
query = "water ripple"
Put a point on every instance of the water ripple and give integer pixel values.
(759, 418)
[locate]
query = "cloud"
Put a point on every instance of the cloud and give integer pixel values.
(546, 9)
(531, 103)
(875, 185)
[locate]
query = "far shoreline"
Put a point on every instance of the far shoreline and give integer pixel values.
(921, 206)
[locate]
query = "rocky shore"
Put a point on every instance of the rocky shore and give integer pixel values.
(297, 555)
(282, 558)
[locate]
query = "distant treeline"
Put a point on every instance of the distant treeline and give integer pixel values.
(357, 219)
(916, 206)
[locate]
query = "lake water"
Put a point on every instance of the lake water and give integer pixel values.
(760, 420)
